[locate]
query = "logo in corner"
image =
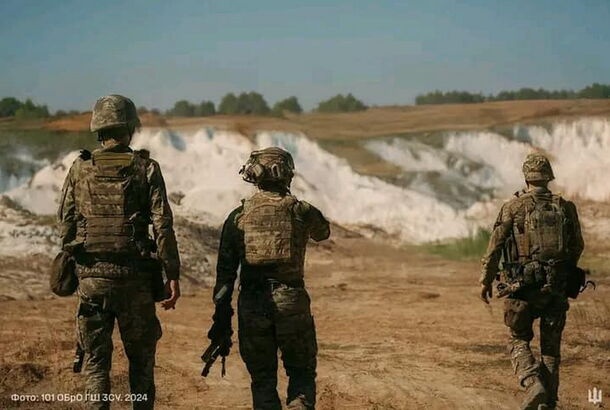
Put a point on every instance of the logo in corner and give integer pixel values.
(595, 395)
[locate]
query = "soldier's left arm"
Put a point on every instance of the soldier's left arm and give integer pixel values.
(163, 222)
(576, 243)
(319, 227)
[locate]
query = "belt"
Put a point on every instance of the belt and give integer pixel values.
(271, 284)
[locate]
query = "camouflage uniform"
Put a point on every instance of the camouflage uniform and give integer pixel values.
(274, 307)
(531, 302)
(116, 284)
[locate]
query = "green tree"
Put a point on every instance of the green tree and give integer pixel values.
(290, 104)
(245, 103)
(29, 111)
(182, 108)
(252, 103)
(228, 104)
(450, 97)
(9, 106)
(204, 109)
(341, 103)
(595, 90)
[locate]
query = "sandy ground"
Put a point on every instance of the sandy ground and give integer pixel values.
(397, 329)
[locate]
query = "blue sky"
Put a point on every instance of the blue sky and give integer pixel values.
(67, 53)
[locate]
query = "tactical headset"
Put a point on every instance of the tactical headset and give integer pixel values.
(271, 164)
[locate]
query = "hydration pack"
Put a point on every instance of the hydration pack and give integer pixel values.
(544, 236)
(110, 200)
(268, 224)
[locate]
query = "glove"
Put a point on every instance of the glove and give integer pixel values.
(221, 331)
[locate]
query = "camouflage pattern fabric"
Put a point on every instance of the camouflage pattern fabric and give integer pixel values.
(537, 167)
(130, 303)
(232, 250)
(519, 316)
(268, 224)
(511, 221)
(147, 199)
(114, 111)
(115, 286)
(273, 311)
(278, 319)
(530, 303)
(271, 165)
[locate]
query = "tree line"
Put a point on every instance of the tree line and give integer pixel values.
(12, 107)
(245, 103)
(593, 91)
(253, 103)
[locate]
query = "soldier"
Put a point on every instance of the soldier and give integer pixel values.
(539, 234)
(267, 235)
(108, 200)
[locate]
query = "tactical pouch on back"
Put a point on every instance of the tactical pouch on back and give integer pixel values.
(63, 280)
(545, 223)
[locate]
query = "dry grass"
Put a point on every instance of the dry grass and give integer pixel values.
(370, 123)
(397, 329)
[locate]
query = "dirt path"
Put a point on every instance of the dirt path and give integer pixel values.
(397, 329)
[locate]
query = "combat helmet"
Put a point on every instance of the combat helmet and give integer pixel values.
(114, 111)
(271, 165)
(537, 167)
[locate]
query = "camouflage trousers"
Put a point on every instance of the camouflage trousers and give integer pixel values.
(278, 319)
(519, 316)
(130, 303)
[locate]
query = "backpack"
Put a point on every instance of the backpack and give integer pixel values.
(545, 228)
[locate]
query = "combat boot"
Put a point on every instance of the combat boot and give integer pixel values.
(550, 373)
(535, 394)
(299, 403)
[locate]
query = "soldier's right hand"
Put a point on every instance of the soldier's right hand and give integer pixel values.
(172, 288)
(486, 292)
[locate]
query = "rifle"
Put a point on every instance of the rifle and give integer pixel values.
(79, 357)
(209, 357)
(222, 324)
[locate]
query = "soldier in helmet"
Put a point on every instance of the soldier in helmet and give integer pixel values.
(266, 236)
(537, 234)
(109, 199)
